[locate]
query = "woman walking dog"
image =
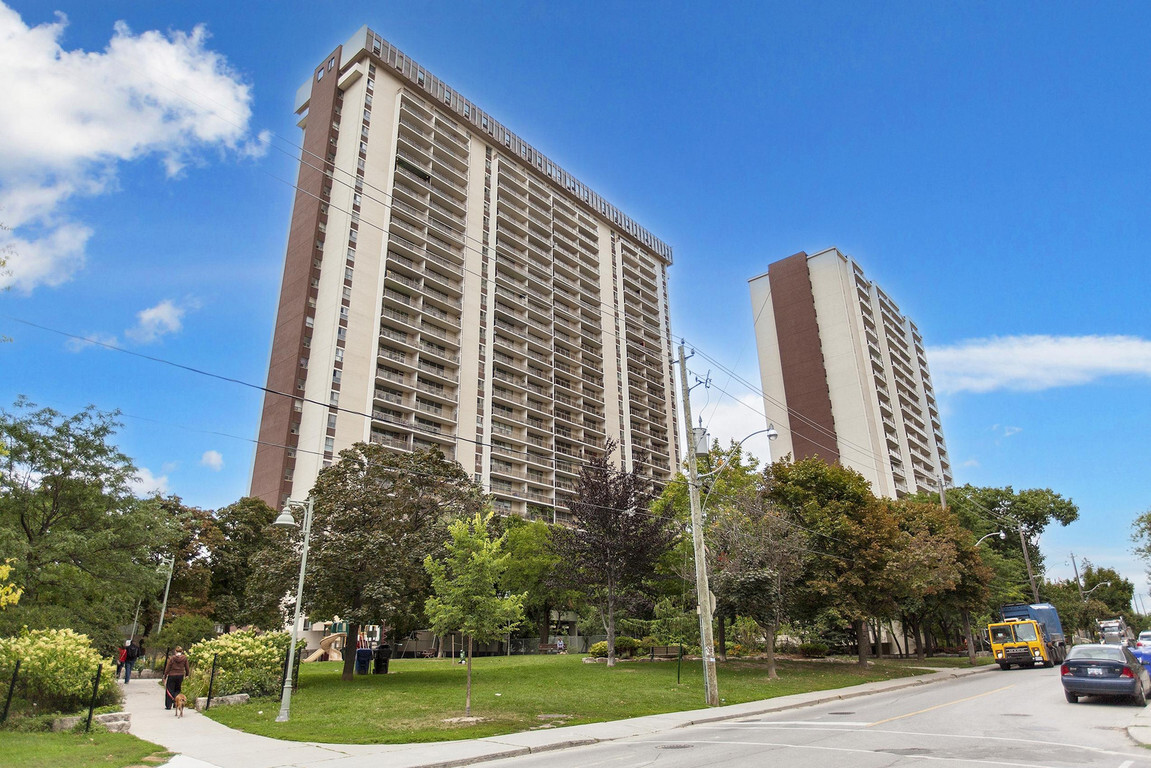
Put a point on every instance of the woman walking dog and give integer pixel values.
(175, 671)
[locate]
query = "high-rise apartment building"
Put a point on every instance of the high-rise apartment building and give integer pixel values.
(845, 375)
(448, 285)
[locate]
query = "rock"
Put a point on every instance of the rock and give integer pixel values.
(116, 722)
(221, 701)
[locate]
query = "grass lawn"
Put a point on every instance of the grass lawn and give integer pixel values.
(943, 661)
(77, 750)
(511, 693)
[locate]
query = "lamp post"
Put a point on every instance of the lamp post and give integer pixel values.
(285, 520)
(170, 562)
(1000, 534)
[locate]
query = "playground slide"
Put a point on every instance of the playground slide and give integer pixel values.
(326, 647)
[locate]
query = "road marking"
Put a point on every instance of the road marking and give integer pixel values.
(941, 706)
(821, 748)
(981, 737)
(1126, 764)
(761, 723)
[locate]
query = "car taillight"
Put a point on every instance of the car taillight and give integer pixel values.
(1127, 672)
(1064, 670)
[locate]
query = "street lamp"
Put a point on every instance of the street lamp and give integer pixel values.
(1000, 534)
(285, 520)
(1097, 586)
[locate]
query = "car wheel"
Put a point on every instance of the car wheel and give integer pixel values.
(1004, 666)
(1072, 698)
(1140, 696)
(1049, 663)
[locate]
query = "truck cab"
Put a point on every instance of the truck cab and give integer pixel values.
(1020, 642)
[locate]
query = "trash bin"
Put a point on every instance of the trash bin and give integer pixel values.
(382, 655)
(363, 661)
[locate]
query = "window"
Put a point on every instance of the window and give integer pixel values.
(339, 354)
(331, 421)
(329, 444)
(320, 75)
(336, 374)
(334, 398)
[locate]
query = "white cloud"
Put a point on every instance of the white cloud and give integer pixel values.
(68, 118)
(971, 463)
(91, 341)
(154, 322)
(1009, 431)
(1032, 363)
(213, 460)
(728, 420)
(147, 484)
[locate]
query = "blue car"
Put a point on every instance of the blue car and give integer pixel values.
(1104, 670)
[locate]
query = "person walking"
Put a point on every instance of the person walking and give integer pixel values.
(131, 653)
(121, 658)
(175, 671)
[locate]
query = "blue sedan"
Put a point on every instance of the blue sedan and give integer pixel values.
(1104, 670)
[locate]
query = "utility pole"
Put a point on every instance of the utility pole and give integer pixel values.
(171, 563)
(942, 494)
(702, 592)
(1078, 584)
(1027, 561)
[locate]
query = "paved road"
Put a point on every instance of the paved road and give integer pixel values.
(1015, 718)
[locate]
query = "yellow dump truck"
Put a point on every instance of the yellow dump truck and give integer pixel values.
(1027, 635)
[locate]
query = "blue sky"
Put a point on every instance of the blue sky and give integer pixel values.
(986, 163)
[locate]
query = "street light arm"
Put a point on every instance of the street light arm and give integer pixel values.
(771, 435)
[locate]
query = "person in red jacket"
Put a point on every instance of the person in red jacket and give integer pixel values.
(175, 671)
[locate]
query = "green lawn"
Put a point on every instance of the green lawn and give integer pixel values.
(944, 661)
(77, 750)
(511, 693)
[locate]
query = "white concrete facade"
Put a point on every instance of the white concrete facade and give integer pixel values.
(885, 419)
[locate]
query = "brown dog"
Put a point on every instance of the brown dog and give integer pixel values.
(181, 701)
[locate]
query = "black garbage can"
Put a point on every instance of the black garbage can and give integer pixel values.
(383, 654)
(363, 661)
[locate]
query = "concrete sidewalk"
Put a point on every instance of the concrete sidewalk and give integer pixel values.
(203, 743)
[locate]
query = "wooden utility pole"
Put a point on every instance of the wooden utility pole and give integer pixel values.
(1027, 561)
(702, 591)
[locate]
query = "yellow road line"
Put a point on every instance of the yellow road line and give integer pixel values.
(940, 706)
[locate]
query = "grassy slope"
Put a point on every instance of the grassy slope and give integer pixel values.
(411, 703)
(75, 750)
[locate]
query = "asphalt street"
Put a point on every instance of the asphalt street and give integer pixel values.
(1013, 718)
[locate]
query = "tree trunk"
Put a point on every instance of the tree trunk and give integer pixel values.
(920, 651)
(769, 643)
(894, 637)
(468, 696)
(862, 640)
(970, 637)
(350, 646)
(610, 626)
(877, 628)
(544, 621)
(721, 639)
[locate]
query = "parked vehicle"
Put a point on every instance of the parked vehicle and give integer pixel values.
(1104, 670)
(1144, 640)
(1115, 632)
(1029, 634)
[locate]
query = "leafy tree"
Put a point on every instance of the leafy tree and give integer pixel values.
(532, 562)
(852, 541)
(615, 542)
(378, 514)
(84, 547)
(242, 532)
(185, 631)
(9, 592)
(464, 583)
(1108, 587)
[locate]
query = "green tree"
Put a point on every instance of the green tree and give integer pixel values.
(464, 583)
(242, 533)
(615, 543)
(852, 540)
(378, 514)
(531, 565)
(84, 547)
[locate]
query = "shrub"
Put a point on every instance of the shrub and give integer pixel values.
(246, 662)
(645, 646)
(625, 646)
(57, 669)
(598, 650)
(812, 650)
